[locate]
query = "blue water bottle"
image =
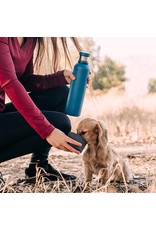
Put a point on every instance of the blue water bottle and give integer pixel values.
(78, 86)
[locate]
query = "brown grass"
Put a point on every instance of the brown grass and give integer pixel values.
(132, 132)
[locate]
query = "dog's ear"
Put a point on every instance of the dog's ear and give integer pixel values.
(98, 129)
(101, 131)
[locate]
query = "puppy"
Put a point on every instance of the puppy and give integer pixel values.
(99, 158)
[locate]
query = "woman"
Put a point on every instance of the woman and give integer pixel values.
(34, 120)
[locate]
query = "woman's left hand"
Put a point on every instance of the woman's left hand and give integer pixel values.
(68, 76)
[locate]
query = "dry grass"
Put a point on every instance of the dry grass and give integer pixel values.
(132, 132)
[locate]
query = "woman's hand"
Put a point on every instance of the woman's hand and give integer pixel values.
(60, 141)
(68, 76)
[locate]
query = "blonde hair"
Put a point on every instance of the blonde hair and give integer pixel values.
(51, 47)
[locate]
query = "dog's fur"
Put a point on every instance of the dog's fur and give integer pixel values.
(99, 158)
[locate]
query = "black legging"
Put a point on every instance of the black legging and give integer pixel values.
(17, 137)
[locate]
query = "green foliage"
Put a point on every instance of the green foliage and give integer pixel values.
(152, 85)
(109, 74)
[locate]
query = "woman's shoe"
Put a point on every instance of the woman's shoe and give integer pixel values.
(47, 172)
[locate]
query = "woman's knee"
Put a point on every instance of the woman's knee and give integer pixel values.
(59, 120)
(66, 125)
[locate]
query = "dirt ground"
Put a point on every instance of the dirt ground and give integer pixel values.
(141, 158)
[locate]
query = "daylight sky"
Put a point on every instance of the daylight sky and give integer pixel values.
(126, 46)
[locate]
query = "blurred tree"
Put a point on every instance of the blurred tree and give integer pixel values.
(152, 85)
(109, 74)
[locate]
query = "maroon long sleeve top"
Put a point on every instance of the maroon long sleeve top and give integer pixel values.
(17, 78)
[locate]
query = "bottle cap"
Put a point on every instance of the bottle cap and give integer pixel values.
(84, 54)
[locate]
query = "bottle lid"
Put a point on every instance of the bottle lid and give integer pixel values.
(84, 54)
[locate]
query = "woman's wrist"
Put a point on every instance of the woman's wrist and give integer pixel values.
(50, 133)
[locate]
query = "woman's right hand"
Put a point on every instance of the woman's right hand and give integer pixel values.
(60, 141)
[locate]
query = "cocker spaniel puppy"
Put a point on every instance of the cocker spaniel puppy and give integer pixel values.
(99, 158)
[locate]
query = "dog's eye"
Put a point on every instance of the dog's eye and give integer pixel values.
(83, 133)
